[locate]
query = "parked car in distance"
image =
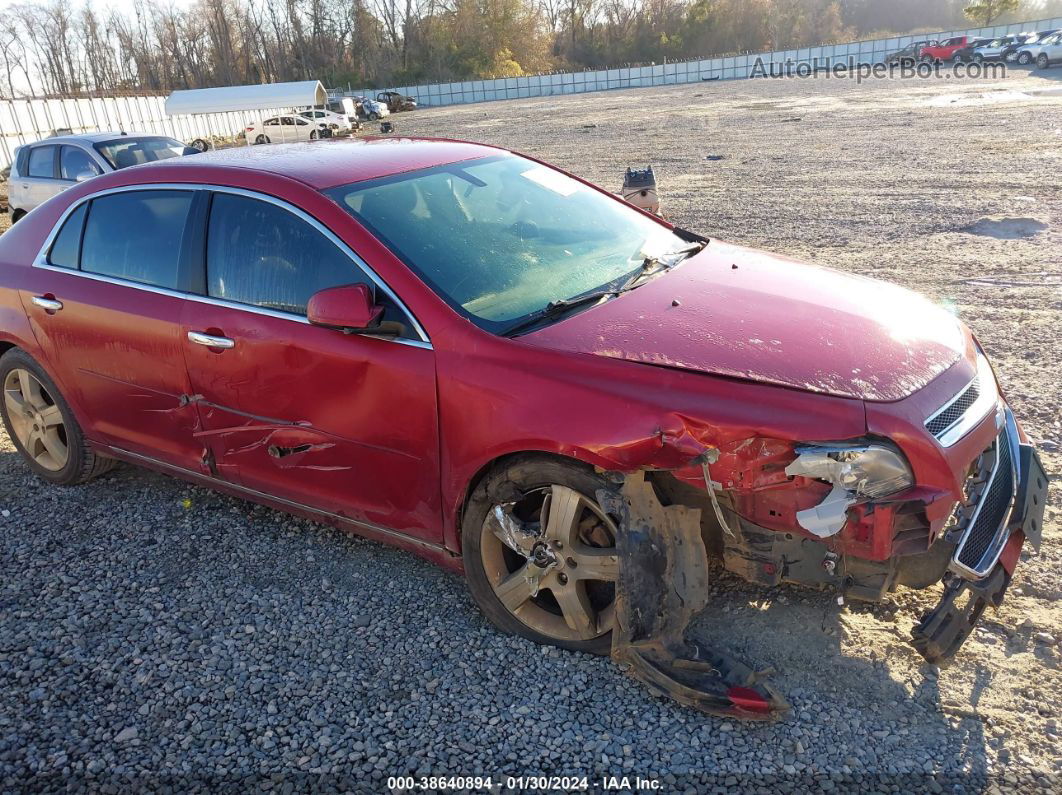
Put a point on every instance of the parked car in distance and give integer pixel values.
(1049, 52)
(396, 102)
(335, 121)
(943, 50)
(371, 109)
(1026, 54)
(44, 168)
(997, 49)
(908, 53)
(965, 54)
(286, 130)
(446, 346)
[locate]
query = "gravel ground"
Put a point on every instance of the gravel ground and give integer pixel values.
(156, 633)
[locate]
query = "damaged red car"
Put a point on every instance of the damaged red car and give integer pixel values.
(492, 363)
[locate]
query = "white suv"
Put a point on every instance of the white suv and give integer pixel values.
(45, 168)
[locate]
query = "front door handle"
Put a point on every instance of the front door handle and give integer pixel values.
(199, 338)
(47, 303)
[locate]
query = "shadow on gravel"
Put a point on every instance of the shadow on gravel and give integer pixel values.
(834, 675)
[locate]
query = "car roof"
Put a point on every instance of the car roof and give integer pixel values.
(328, 163)
(94, 138)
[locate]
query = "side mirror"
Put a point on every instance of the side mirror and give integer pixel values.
(350, 308)
(82, 176)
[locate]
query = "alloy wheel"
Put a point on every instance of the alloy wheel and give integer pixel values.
(36, 420)
(551, 560)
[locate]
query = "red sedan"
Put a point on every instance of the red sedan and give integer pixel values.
(480, 358)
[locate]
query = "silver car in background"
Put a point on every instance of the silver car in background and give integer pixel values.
(45, 168)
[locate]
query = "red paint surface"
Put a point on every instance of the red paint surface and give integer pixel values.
(772, 320)
(754, 360)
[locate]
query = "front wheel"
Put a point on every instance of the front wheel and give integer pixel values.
(374, 116)
(540, 554)
(978, 58)
(1024, 58)
(41, 425)
(313, 135)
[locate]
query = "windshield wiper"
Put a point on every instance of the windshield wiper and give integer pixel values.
(650, 267)
(555, 309)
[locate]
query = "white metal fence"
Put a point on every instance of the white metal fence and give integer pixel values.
(736, 66)
(22, 121)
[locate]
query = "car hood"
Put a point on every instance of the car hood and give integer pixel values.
(741, 313)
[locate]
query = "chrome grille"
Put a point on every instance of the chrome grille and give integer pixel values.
(952, 412)
(986, 530)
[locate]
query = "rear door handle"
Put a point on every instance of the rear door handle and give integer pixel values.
(47, 303)
(199, 338)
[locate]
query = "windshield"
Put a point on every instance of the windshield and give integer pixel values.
(501, 238)
(132, 151)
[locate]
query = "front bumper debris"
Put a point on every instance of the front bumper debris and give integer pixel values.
(1006, 498)
(663, 582)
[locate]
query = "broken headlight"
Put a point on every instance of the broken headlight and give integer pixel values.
(866, 471)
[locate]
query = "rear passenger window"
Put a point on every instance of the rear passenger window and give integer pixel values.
(67, 245)
(137, 236)
(261, 254)
(42, 162)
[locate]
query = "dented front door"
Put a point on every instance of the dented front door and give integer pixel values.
(339, 422)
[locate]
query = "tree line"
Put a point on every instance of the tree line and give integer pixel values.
(58, 48)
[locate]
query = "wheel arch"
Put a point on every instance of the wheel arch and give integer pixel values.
(498, 462)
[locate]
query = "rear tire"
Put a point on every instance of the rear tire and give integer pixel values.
(374, 116)
(16, 215)
(1042, 61)
(313, 135)
(41, 425)
(1024, 58)
(584, 622)
(262, 139)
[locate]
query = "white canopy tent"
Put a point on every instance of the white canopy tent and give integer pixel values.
(261, 97)
(227, 99)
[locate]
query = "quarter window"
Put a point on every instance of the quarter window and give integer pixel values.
(42, 162)
(263, 255)
(75, 162)
(137, 236)
(66, 249)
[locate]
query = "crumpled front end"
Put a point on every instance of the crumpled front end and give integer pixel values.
(857, 517)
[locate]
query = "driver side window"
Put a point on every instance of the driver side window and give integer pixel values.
(261, 254)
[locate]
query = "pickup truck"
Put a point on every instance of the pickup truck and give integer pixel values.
(943, 50)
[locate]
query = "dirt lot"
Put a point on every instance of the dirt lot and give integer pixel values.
(947, 187)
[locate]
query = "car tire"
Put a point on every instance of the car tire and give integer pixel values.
(201, 144)
(1024, 58)
(262, 139)
(978, 58)
(313, 135)
(16, 215)
(527, 482)
(1042, 61)
(374, 116)
(47, 436)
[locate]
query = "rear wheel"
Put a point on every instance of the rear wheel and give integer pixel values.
(1042, 61)
(17, 214)
(41, 425)
(540, 554)
(374, 116)
(1024, 58)
(313, 135)
(262, 139)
